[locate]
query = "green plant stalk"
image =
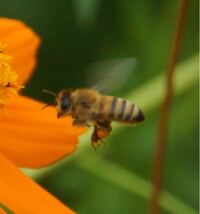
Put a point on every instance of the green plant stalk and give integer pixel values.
(148, 96)
(131, 182)
(162, 132)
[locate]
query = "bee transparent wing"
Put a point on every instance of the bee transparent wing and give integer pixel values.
(109, 75)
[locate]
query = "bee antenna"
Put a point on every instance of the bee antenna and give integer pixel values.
(49, 104)
(49, 92)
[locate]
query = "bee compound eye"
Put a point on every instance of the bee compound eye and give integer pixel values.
(65, 103)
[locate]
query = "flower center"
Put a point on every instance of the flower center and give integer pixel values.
(8, 78)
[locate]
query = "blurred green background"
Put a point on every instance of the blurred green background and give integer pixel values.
(79, 32)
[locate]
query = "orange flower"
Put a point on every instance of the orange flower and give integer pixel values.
(29, 137)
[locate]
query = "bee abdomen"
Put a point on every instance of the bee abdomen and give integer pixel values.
(124, 111)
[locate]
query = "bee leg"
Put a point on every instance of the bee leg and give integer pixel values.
(93, 146)
(94, 137)
(104, 125)
(104, 128)
(101, 130)
(81, 123)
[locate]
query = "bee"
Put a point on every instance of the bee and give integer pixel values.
(87, 106)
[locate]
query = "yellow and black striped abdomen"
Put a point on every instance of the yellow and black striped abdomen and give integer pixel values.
(121, 110)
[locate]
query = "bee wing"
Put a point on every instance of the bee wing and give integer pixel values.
(109, 75)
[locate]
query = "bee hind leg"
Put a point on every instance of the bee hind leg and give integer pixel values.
(94, 137)
(101, 131)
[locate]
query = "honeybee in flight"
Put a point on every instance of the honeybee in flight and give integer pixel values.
(90, 107)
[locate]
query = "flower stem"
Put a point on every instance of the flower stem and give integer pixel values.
(158, 162)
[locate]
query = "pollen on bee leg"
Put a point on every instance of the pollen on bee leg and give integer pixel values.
(97, 137)
(102, 133)
(8, 78)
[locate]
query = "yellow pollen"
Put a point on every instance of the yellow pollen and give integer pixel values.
(8, 78)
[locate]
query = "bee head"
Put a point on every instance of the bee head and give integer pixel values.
(63, 102)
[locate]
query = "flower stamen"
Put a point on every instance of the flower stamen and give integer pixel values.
(8, 78)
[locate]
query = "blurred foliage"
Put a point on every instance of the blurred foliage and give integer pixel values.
(79, 32)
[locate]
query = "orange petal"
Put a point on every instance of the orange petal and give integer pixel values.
(32, 137)
(22, 44)
(21, 195)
